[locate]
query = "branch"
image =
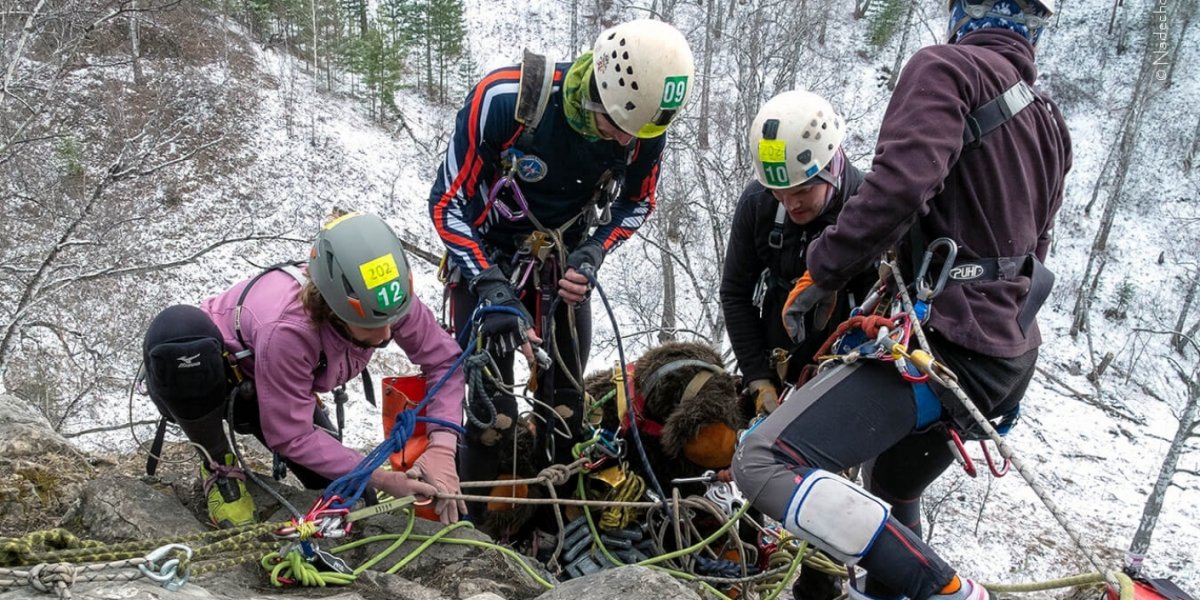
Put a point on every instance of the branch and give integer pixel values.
(1169, 332)
(138, 270)
(421, 253)
(117, 175)
(1087, 399)
(16, 58)
(678, 329)
(108, 428)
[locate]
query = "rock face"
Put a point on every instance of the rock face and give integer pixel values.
(124, 509)
(45, 483)
(25, 433)
(625, 583)
(40, 472)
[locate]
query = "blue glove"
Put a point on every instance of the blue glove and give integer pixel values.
(503, 331)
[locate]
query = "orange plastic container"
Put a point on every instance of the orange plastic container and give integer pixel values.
(400, 394)
(403, 393)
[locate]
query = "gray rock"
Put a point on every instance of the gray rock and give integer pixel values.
(40, 473)
(134, 590)
(120, 509)
(25, 433)
(625, 583)
(485, 596)
(14, 410)
(395, 587)
(455, 571)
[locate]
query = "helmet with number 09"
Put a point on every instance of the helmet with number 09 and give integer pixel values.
(642, 71)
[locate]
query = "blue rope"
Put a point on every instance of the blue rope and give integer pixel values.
(350, 487)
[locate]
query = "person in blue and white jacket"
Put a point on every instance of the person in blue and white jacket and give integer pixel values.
(597, 144)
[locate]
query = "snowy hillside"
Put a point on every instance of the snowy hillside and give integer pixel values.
(301, 150)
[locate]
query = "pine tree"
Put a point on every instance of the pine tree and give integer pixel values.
(447, 32)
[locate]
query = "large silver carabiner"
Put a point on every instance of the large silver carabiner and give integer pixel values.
(924, 292)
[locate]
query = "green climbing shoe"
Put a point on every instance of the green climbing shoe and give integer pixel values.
(229, 504)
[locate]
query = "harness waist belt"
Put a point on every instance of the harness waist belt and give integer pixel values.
(1041, 280)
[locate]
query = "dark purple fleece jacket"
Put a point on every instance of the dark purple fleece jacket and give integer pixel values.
(994, 201)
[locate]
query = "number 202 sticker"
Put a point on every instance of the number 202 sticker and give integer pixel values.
(379, 271)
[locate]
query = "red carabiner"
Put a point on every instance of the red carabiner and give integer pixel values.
(996, 471)
(960, 453)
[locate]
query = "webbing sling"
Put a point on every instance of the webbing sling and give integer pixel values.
(996, 112)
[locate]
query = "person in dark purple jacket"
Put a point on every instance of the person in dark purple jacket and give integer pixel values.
(295, 332)
(968, 150)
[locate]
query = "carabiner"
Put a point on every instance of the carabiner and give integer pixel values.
(924, 292)
(168, 574)
(960, 452)
(997, 471)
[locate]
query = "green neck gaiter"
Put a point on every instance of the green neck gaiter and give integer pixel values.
(579, 77)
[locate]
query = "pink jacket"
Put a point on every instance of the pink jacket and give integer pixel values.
(287, 349)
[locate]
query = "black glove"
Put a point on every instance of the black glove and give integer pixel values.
(503, 331)
(590, 253)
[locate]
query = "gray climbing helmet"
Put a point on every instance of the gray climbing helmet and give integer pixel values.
(361, 270)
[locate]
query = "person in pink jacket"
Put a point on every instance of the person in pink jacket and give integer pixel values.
(291, 333)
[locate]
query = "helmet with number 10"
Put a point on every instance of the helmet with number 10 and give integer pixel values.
(793, 139)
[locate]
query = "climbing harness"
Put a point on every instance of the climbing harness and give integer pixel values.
(887, 339)
(238, 380)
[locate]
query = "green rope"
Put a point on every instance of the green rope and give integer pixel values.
(398, 539)
(791, 572)
(431, 540)
(599, 543)
(296, 568)
(30, 549)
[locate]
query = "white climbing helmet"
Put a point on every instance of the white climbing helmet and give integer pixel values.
(643, 72)
(794, 136)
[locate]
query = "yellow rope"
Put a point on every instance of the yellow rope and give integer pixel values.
(629, 490)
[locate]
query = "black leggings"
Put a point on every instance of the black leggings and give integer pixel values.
(866, 413)
(479, 460)
(190, 381)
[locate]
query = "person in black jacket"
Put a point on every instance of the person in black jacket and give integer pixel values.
(516, 189)
(779, 214)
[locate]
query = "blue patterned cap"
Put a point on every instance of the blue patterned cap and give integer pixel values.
(1004, 14)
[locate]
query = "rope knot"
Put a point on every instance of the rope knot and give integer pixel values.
(555, 475)
(406, 422)
(45, 577)
(306, 529)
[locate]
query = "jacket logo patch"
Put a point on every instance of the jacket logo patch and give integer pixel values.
(531, 168)
(188, 362)
(966, 272)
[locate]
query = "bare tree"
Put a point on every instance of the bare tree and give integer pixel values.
(1186, 429)
(98, 187)
(1122, 161)
(1179, 339)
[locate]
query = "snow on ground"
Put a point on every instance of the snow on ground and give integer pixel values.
(320, 149)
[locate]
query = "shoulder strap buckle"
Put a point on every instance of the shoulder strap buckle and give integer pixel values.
(533, 95)
(775, 240)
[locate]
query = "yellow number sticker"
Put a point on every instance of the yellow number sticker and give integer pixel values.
(772, 151)
(379, 271)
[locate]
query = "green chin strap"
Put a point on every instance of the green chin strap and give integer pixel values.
(579, 77)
